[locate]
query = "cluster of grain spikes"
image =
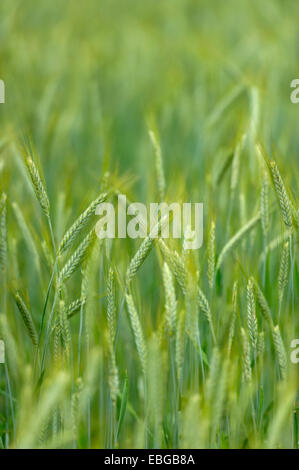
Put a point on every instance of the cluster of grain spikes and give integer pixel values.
(170, 363)
(27, 318)
(211, 254)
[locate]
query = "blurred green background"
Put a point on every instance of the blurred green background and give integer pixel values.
(81, 78)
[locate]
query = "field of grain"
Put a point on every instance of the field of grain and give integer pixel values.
(131, 343)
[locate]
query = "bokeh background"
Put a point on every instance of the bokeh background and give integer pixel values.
(81, 78)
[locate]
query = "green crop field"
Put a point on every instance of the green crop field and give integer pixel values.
(142, 343)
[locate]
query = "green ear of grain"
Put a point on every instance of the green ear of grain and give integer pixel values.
(251, 316)
(113, 377)
(64, 329)
(280, 351)
(246, 360)
(139, 258)
(75, 306)
(283, 270)
(80, 223)
(137, 331)
(282, 195)
(144, 250)
(263, 304)
(205, 307)
(38, 186)
(111, 323)
(175, 263)
(27, 318)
